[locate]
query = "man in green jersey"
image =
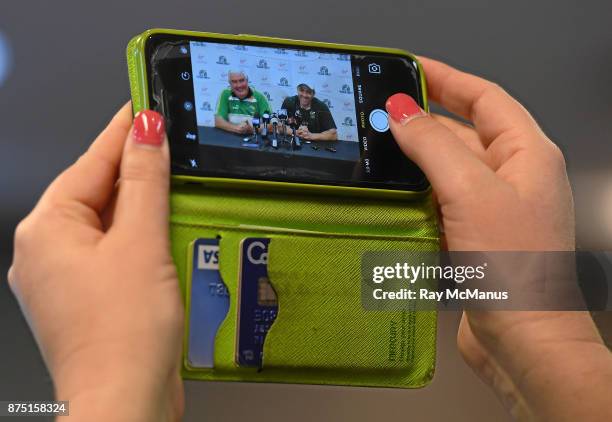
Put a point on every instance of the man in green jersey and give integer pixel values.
(238, 104)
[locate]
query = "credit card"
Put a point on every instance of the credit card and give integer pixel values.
(257, 306)
(209, 303)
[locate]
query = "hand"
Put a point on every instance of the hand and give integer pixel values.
(244, 128)
(304, 133)
(93, 274)
(501, 184)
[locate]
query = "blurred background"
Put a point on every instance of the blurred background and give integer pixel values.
(63, 75)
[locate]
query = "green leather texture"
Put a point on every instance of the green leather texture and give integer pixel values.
(321, 335)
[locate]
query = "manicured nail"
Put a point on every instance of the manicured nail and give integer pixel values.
(149, 128)
(402, 108)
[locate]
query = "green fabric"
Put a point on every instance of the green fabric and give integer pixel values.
(322, 335)
(236, 110)
(322, 326)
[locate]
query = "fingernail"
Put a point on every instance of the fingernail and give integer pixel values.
(402, 108)
(149, 128)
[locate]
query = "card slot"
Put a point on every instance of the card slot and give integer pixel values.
(298, 347)
(206, 304)
(321, 326)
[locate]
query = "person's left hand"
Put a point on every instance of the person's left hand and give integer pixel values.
(93, 275)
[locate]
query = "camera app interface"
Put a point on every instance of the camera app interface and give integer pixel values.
(283, 114)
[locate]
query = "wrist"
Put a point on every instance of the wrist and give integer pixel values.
(120, 392)
(572, 381)
(549, 359)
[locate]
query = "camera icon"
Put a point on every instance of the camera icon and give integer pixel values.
(374, 68)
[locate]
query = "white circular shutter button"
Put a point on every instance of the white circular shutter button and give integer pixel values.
(379, 120)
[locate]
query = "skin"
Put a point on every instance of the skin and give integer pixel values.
(93, 274)
(239, 85)
(305, 97)
(501, 184)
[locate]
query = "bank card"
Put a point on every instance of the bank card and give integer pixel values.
(209, 303)
(257, 306)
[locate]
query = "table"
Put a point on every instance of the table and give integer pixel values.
(228, 151)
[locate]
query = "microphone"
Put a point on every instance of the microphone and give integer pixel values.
(265, 119)
(282, 116)
(274, 121)
(297, 122)
(255, 123)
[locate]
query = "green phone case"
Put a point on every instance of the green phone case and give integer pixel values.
(322, 334)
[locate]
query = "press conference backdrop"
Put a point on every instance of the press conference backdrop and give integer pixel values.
(63, 75)
(276, 73)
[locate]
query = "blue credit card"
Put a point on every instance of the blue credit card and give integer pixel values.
(257, 305)
(209, 303)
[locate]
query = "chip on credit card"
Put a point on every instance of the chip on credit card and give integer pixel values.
(258, 303)
(209, 303)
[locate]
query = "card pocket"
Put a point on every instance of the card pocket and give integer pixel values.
(323, 335)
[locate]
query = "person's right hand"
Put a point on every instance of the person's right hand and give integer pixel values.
(244, 128)
(501, 184)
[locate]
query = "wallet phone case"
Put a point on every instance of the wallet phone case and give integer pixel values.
(321, 334)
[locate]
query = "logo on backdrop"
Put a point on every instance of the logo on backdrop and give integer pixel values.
(327, 103)
(302, 69)
(222, 60)
(205, 106)
(344, 57)
(280, 51)
(283, 82)
(267, 95)
(241, 47)
(323, 71)
(203, 74)
(348, 122)
(300, 53)
(346, 89)
(263, 64)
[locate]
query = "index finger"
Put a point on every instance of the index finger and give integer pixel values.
(491, 109)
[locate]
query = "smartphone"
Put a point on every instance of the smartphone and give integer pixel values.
(271, 112)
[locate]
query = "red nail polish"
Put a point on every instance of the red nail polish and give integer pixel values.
(149, 128)
(402, 108)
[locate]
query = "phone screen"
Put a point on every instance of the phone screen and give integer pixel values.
(246, 110)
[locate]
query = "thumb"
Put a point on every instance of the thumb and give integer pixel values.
(144, 179)
(450, 166)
